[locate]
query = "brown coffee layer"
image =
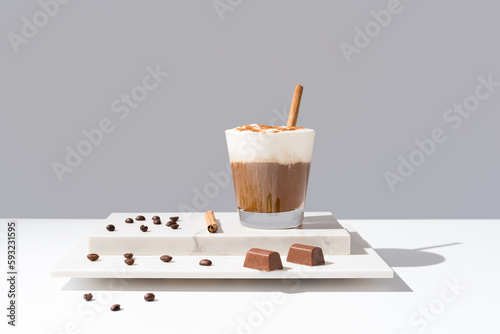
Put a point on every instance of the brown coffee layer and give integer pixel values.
(270, 187)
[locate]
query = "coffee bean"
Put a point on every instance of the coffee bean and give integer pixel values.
(129, 220)
(174, 226)
(174, 218)
(92, 257)
(157, 221)
(115, 307)
(156, 218)
(149, 297)
(166, 258)
(110, 228)
(144, 228)
(129, 261)
(88, 297)
(205, 262)
(140, 218)
(128, 255)
(171, 222)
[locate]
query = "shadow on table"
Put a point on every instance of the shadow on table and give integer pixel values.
(400, 257)
(419, 257)
(395, 284)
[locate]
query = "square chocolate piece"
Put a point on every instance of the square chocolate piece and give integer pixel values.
(304, 254)
(262, 259)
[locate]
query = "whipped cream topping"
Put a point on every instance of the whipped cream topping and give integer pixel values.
(261, 143)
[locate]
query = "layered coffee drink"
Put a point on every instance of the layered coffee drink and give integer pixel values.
(270, 166)
(270, 186)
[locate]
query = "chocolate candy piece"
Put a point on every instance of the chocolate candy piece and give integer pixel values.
(144, 228)
(110, 227)
(140, 218)
(92, 257)
(156, 218)
(88, 297)
(174, 226)
(304, 254)
(115, 307)
(262, 259)
(129, 220)
(128, 255)
(129, 261)
(156, 221)
(174, 218)
(205, 262)
(149, 297)
(166, 258)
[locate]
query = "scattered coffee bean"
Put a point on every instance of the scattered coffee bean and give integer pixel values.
(174, 218)
(88, 297)
(156, 218)
(140, 218)
(144, 228)
(115, 307)
(128, 255)
(110, 228)
(157, 221)
(92, 257)
(174, 226)
(149, 297)
(166, 258)
(129, 220)
(129, 261)
(171, 222)
(205, 262)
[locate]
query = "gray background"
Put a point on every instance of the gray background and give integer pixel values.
(243, 69)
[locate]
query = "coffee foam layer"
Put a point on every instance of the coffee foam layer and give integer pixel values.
(285, 147)
(266, 128)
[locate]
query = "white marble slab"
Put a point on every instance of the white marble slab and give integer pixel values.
(363, 262)
(192, 238)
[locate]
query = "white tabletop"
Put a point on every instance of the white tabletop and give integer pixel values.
(450, 287)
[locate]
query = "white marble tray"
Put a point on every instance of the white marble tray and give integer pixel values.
(192, 238)
(363, 262)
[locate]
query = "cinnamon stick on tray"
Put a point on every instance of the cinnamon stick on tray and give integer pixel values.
(211, 221)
